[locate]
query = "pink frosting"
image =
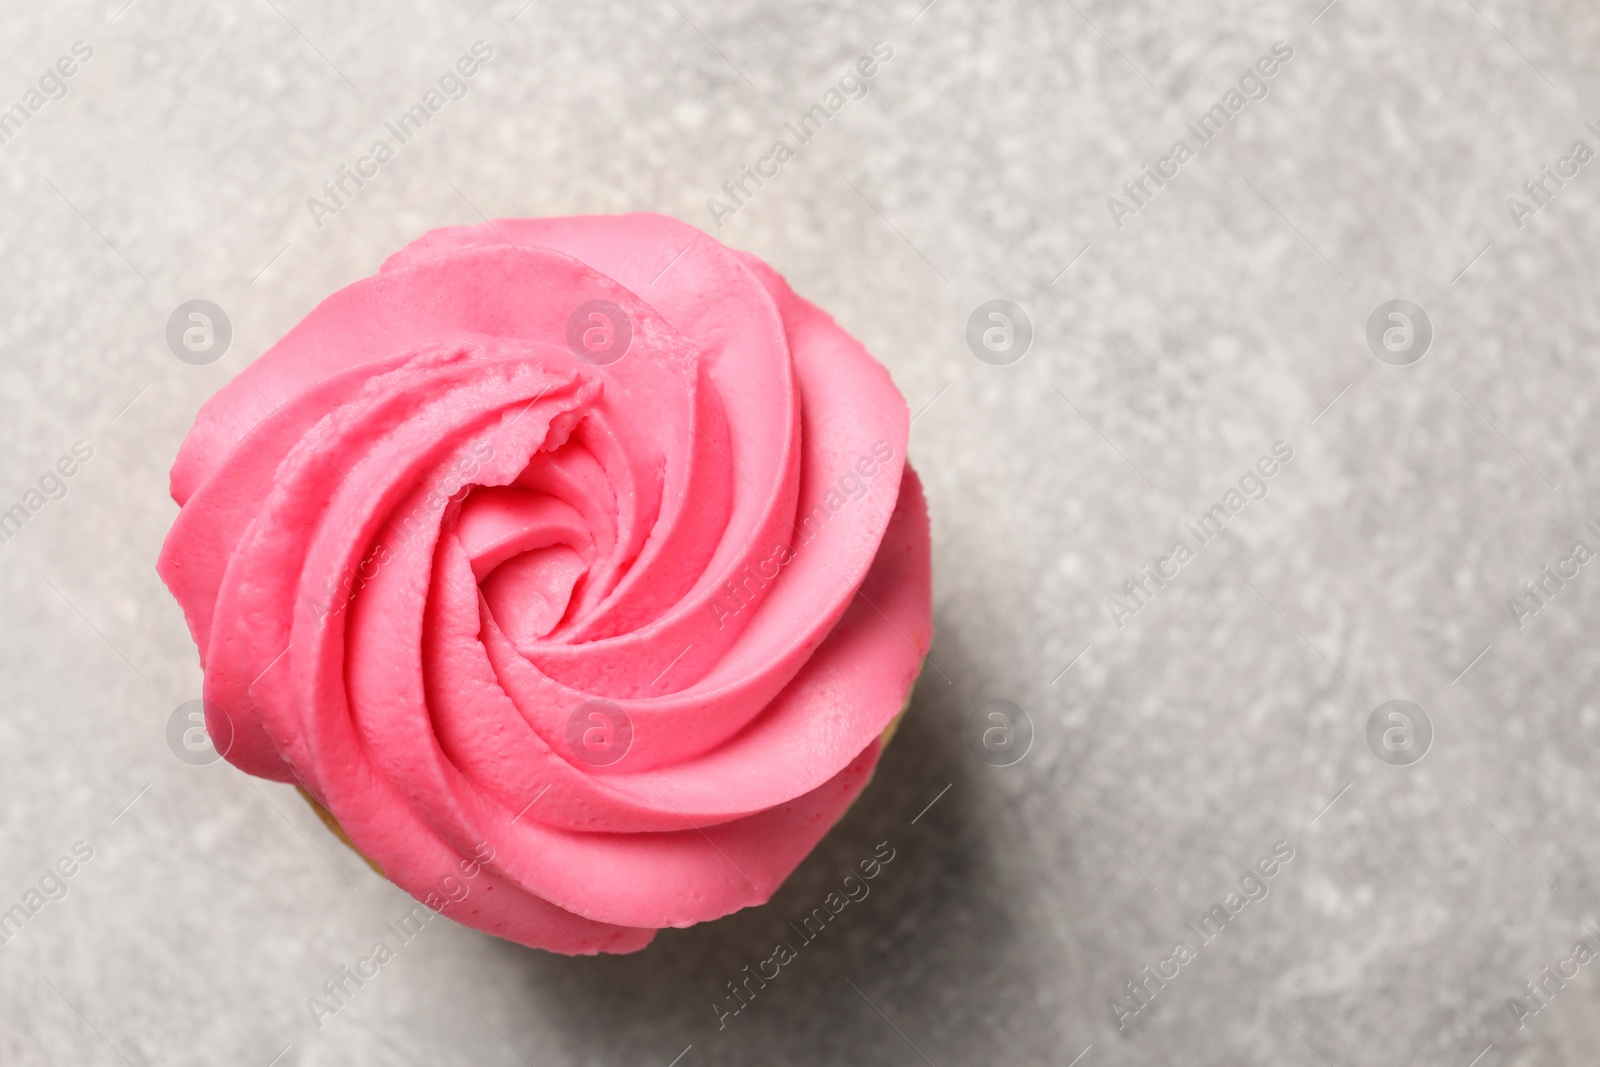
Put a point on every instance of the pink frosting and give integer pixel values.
(422, 545)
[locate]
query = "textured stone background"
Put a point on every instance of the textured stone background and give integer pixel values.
(1224, 717)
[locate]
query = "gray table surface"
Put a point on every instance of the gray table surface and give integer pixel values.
(1169, 352)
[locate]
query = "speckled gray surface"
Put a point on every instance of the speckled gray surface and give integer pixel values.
(1229, 713)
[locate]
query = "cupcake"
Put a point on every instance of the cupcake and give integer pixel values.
(571, 567)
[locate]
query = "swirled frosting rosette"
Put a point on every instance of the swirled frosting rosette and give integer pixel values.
(573, 561)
